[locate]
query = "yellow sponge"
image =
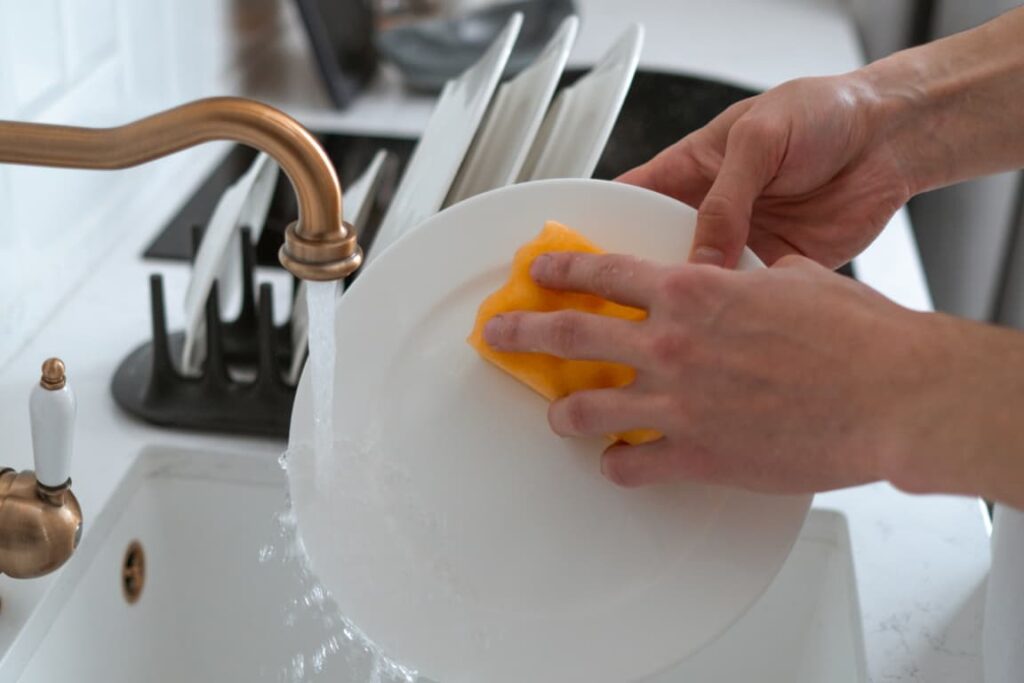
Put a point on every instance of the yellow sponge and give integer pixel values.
(548, 375)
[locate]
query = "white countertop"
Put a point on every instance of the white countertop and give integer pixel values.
(920, 562)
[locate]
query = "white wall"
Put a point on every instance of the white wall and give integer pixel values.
(99, 63)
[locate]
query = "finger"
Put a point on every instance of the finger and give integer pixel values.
(604, 411)
(674, 172)
(684, 170)
(566, 334)
(798, 262)
(624, 279)
(752, 157)
(770, 247)
(657, 462)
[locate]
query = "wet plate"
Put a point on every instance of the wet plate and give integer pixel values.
(462, 535)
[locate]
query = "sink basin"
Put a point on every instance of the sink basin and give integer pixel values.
(222, 600)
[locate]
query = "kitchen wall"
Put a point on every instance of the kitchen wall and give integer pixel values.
(98, 63)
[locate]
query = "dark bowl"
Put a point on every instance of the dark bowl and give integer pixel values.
(660, 109)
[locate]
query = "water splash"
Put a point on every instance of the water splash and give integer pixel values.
(313, 609)
(337, 648)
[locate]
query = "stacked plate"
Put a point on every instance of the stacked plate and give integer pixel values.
(483, 136)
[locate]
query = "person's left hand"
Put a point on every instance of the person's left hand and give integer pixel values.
(785, 379)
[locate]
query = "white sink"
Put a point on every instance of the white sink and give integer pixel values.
(210, 610)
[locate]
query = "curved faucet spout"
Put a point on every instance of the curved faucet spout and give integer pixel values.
(318, 246)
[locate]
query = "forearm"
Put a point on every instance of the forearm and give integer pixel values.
(961, 430)
(954, 109)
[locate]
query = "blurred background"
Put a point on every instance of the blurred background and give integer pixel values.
(969, 235)
(109, 61)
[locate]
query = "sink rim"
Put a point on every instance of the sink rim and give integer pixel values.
(152, 461)
(822, 525)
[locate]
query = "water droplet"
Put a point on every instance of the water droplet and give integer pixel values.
(267, 553)
(298, 667)
(311, 609)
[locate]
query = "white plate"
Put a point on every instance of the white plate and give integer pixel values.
(504, 140)
(429, 175)
(245, 203)
(576, 129)
(456, 529)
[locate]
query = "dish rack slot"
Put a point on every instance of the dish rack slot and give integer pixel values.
(240, 388)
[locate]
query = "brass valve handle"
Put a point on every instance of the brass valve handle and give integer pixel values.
(40, 519)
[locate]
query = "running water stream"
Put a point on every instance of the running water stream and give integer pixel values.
(321, 298)
(314, 605)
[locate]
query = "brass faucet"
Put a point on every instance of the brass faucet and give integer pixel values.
(318, 246)
(40, 519)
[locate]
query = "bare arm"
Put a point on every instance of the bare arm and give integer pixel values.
(955, 107)
(793, 378)
(785, 379)
(817, 166)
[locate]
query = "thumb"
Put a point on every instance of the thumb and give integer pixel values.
(674, 172)
(750, 162)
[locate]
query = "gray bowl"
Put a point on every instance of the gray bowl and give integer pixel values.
(429, 53)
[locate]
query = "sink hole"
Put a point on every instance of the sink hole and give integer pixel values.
(133, 572)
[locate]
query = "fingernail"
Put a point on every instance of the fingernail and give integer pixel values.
(709, 256)
(494, 329)
(540, 267)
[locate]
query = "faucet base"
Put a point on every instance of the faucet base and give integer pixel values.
(39, 526)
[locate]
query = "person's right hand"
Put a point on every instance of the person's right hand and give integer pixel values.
(808, 168)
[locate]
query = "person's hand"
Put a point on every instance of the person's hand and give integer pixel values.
(786, 379)
(806, 168)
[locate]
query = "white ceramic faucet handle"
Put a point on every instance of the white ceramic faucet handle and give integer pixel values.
(52, 410)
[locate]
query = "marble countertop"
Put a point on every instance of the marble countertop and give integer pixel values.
(920, 562)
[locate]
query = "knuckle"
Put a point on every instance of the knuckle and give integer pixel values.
(570, 415)
(685, 420)
(604, 276)
(669, 348)
(683, 281)
(788, 259)
(675, 284)
(716, 208)
(565, 332)
(699, 465)
(756, 128)
(793, 261)
(508, 331)
(619, 470)
(561, 266)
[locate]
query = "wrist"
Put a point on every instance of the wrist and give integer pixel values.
(949, 110)
(904, 110)
(956, 428)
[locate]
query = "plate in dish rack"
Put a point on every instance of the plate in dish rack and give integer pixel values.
(463, 536)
